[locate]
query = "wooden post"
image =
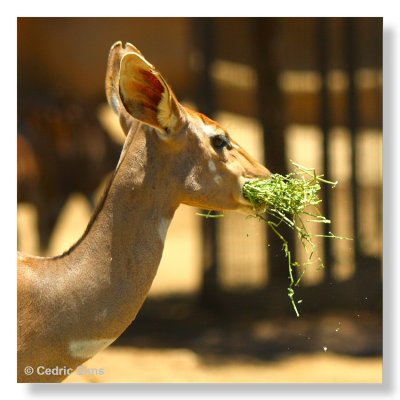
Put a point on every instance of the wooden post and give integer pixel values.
(270, 101)
(325, 124)
(353, 125)
(204, 35)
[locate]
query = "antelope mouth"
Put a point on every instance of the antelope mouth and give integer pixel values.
(245, 205)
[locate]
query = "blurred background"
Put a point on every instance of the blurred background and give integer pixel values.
(306, 89)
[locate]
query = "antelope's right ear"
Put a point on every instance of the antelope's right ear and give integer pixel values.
(146, 95)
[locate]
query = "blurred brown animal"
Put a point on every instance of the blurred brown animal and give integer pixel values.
(62, 149)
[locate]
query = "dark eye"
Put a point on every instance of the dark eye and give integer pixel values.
(221, 141)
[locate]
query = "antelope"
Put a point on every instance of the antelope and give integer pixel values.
(74, 305)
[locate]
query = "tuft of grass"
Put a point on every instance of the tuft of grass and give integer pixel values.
(291, 200)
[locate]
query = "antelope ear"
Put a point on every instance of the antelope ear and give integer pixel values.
(117, 51)
(146, 95)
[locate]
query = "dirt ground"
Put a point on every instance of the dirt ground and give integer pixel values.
(124, 364)
(174, 342)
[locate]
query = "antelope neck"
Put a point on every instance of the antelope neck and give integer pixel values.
(117, 259)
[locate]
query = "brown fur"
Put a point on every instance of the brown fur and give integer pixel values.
(95, 290)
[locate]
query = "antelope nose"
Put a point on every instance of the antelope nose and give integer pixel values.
(262, 172)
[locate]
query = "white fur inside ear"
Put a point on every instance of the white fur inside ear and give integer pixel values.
(138, 57)
(165, 116)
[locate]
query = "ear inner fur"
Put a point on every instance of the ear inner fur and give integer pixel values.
(145, 93)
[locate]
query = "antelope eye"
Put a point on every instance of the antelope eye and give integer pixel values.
(220, 141)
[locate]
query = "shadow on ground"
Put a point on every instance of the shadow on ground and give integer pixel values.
(247, 334)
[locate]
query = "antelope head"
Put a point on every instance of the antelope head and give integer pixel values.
(194, 154)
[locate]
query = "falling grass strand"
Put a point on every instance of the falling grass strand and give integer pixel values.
(284, 199)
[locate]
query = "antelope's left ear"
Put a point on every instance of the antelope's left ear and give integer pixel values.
(146, 95)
